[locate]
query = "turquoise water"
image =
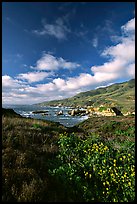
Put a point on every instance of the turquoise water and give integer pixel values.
(65, 119)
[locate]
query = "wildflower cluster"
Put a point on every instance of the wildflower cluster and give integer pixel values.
(95, 169)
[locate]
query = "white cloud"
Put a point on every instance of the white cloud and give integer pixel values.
(59, 83)
(58, 29)
(34, 76)
(13, 90)
(120, 65)
(129, 26)
(83, 80)
(106, 67)
(131, 70)
(10, 83)
(109, 84)
(121, 57)
(122, 51)
(50, 63)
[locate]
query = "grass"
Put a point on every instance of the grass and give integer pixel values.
(35, 155)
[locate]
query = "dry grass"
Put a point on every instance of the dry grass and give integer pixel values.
(28, 147)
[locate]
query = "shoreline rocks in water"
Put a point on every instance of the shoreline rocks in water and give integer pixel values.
(40, 111)
(96, 111)
(43, 114)
(59, 113)
(77, 112)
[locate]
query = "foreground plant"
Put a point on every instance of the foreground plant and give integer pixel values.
(95, 170)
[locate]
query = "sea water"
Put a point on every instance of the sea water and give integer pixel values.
(65, 119)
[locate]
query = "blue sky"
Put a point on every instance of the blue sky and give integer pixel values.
(54, 50)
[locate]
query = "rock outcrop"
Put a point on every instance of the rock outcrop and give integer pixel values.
(117, 111)
(103, 111)
(39, 111)
(129, 113)
(78, 112)
(60, 112)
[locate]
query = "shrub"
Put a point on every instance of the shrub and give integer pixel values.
(96, 171)
(36, 126)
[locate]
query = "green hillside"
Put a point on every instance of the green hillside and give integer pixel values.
(119, 94)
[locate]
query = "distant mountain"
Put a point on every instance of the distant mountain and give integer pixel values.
(121, 95)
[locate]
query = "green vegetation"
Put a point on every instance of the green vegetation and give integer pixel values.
(96, 171)
(102, 108)
(121, 95)
(43, 161)
(10, 113)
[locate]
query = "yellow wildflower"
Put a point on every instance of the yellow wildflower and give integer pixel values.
(86, 173)
(107, 182)
(105, 148)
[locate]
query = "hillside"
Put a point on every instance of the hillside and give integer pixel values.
(119, 94)
(10, 113)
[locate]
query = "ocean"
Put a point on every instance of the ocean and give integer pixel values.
(65, 119)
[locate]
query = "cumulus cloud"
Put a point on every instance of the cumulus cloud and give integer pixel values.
(124, 51)
(11, 88)
(58, 29)
(121, 61)
(120, 65)
(74, 83)
(129, 26)
(10, 83)
(34, 76)
(50, 63)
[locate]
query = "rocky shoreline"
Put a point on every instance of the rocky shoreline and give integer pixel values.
(89, 111)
